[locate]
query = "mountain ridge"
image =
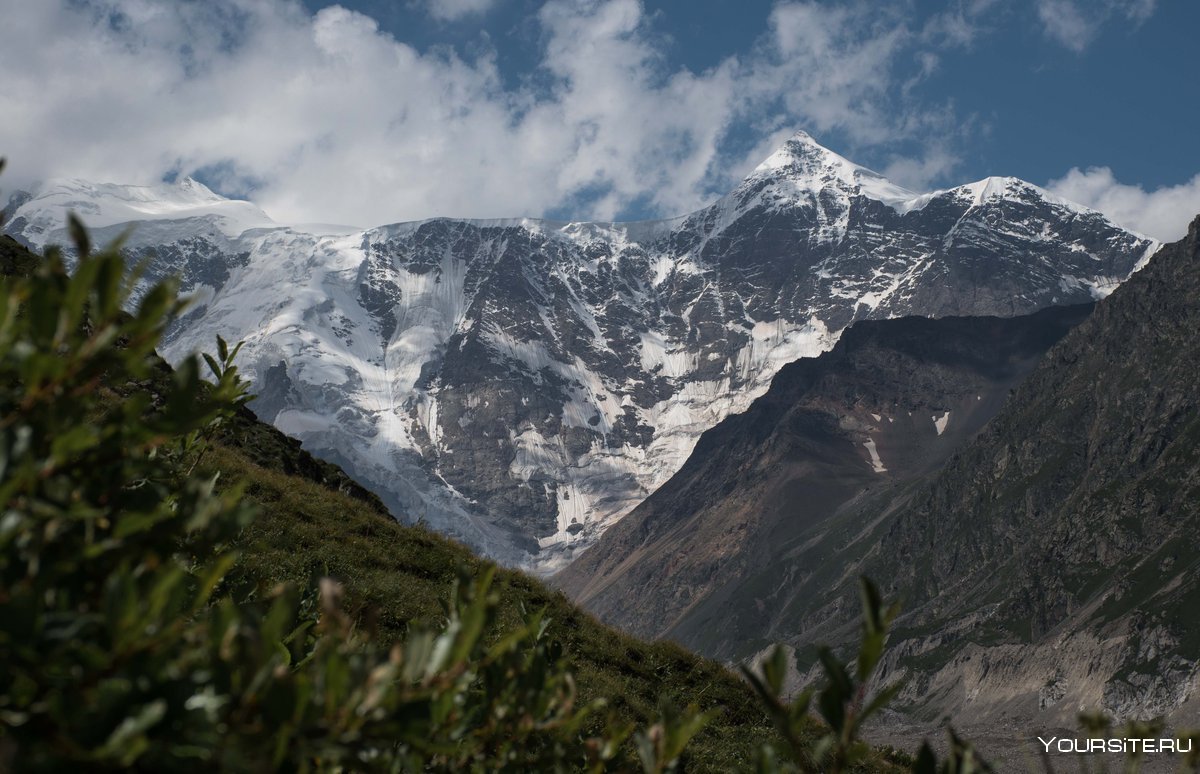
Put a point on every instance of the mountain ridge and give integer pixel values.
(522, 387)
(1047, 565)
(800, 150)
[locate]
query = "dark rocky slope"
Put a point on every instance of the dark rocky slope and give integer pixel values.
(887, 405)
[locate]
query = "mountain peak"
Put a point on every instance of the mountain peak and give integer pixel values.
(805, 163)
(800, 150)
(108, 204)
(1014, 188)
(191, 186)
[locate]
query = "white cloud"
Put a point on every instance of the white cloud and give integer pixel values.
(960, 24)
(923, 173)
(838, 62)
(328, 118)
(1075, 25)
(453, 10)
(1163, 213)
(1067, 23)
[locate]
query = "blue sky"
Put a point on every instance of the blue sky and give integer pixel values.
(376, 111)
(1116, 94)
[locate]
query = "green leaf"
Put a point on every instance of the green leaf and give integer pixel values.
(212, 576)
(870, 650)
(132, 523)
(73, 441)
(880, 700)
(212, 364)
(473, 617)
(233, 354)
(835, 671)
(646, 751)
(926, 762)
(872, 605)
(876, 621)
(832, 704)
(128, 741)
(775, 669)
(79, 235)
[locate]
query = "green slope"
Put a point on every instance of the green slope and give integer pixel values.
(314, 520)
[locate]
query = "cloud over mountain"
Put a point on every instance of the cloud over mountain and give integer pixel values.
(330, 116)
(327, 115)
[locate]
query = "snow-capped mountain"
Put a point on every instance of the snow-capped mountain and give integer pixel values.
(522, 384)
(38, 218)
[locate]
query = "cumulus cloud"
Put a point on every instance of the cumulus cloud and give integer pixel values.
(837, 61)
(1075, 25)
(326, 117)
(1163, 213)
(923, 172)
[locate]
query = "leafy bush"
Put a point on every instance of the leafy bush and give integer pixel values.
(844, 702)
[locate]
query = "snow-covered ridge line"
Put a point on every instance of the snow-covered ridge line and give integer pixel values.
(101, 205)
(801, 161)
(523, 383)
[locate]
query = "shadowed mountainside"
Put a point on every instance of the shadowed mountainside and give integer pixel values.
(887, 405)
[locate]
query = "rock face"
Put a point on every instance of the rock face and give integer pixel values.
(1048, 565)
(888, 405)
(523, 384)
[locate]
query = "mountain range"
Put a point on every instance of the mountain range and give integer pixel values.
(1042, 535)
(524, 384)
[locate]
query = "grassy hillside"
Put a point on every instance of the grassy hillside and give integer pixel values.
(314, 520)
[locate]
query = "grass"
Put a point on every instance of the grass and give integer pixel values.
(397, 575)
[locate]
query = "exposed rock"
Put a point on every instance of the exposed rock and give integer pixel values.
(1048, 565)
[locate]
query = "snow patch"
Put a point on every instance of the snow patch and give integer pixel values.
(810, 167)
(658, 356)
(876, 462)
